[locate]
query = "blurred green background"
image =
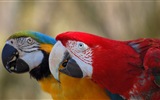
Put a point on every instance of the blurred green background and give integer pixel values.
(116, 19)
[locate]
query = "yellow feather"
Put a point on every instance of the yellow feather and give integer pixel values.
(73, 88)
(46, 47)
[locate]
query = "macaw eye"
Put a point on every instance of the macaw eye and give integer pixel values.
(11, 41)
(82, 46)
(29, 40)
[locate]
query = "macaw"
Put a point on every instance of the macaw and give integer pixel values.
(28, 51)
(128, 68)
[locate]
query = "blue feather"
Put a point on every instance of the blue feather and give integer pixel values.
(43, 38)
(114, 96)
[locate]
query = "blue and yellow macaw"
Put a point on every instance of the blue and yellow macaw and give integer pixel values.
(28, 51)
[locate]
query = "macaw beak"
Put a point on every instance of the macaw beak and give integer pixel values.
(11, 61)
(58, 56)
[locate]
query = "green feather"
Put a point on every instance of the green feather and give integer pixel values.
(39, 37)
(157, 80)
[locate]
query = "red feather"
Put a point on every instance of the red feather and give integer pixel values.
(122, 67)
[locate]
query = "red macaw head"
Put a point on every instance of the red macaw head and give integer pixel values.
(81, 50)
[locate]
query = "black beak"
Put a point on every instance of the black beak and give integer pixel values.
(72, 69)
(11, 61)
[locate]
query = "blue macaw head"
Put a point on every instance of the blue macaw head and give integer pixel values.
(27, 51)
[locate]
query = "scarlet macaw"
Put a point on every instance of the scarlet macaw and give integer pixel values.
(128, 68)
(28, 51)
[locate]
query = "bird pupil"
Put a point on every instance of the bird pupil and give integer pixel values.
(80, 45)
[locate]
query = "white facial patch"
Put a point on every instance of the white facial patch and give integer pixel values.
(82, 54)
(33, 59)
(81, 50)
